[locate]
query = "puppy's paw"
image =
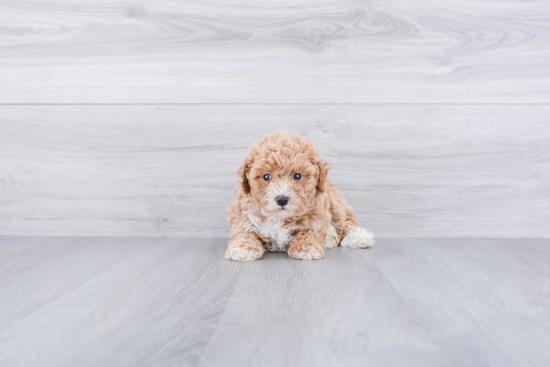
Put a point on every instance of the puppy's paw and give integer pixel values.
(243, 252)
(332, 238)
(310, 253)
(358, 237)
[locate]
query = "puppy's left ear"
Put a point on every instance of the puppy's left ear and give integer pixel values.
(243, 173)
(323, 171)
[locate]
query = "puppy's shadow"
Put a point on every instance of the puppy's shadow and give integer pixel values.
(275, 256)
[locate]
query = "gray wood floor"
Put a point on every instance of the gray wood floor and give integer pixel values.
(170, 301)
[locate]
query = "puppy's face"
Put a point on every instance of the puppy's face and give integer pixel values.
(283, 190)
(284, 176)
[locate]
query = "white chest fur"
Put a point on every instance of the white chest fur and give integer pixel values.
(275, 231)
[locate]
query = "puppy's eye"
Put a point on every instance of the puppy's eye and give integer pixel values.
(297, 176)
(267, 177)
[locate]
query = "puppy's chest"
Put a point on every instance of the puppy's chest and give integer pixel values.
(276, 233)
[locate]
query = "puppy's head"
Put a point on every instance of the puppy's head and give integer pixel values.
(283, 172)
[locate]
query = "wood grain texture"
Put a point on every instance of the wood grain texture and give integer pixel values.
(406, 302)
(310, 51)
(431, 171)
(30, 275)
(159, 301)
(152, 300)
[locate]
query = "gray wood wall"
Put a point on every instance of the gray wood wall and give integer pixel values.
(125, 119)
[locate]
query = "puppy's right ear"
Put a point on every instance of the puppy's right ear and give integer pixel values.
(243, 172)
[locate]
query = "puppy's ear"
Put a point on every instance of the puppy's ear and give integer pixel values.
(323, 171)
(243, 172)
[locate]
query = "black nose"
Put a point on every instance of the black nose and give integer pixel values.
(282, 200)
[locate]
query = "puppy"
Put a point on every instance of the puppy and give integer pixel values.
(285, 202)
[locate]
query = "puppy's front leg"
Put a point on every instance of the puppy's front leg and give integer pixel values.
(244, 246)
(307, 245)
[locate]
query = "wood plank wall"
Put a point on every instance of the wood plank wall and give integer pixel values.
(123, 119)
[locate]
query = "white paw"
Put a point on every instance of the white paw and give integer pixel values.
(332, 238)
(236, 253)
(358, 238)
(306, 255)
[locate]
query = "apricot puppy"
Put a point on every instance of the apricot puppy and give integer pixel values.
(285, 202)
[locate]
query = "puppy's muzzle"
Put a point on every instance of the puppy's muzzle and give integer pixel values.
(282, 200)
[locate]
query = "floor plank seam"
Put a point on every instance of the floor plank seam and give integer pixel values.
(79, 284)
(205, 349)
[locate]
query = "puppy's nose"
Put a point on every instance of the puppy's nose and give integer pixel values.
(282, 200)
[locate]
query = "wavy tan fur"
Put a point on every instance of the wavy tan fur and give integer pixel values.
(316, 217)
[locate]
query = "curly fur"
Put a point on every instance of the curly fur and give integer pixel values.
(316, 217)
